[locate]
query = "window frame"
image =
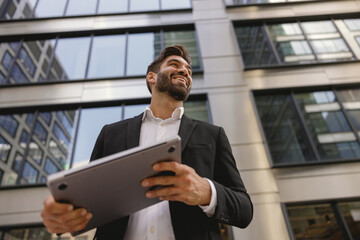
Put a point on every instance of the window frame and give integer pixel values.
(273, 4)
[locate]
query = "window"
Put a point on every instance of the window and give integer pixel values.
(61, 8)
(311, 127)
(260, 2)
(324, 220)
(92, 57)
(293, 43)
(38, 149)
(9, 124)
(353, 24)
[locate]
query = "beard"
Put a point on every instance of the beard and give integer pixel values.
(164, 84)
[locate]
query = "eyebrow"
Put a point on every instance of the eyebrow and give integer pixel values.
(178, 61)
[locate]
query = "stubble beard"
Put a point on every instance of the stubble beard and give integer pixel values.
(164, 84)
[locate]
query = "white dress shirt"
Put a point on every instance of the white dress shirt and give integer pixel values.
(154, 222)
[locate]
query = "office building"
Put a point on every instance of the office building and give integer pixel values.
(281, 76)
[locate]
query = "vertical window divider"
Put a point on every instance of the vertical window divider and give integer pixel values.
(26, 151)
(122, 112)
(308, 41)
(342, 37)
(75, 138)
(304, 126)
(89, 56)
(66, 7)
(17, 53)
(97, 7)
(287, 222)
(32, 15)
(126, 52)
(162, 38)
(273, 48)
(128, 10)
(51, 60)
(341, 221)
(160, 5)
(347, 117)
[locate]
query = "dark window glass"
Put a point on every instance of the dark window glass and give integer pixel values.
(30, 119)
(18, 75)
(40, 132)
(112, 6)
(46, 116)
(50, 167)
(34, 49)
(17, 162)
(140, 5)
(315, 221)
(1, 177)
(197, 110)
(89, 128)
(9, 124)
(35, 152)
(107, 56)
(2, 79)
(61, 136)
(5, 149)
(71, 57)
(33, 233)
(50, 8)
(81, 7)
(351, 214)
(60, 156)
(24, 139)
(27, 62)
(30, 174)
(175, 4)
(7, 60)
(141, 52)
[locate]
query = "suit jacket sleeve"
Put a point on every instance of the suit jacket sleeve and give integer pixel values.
(234, 206)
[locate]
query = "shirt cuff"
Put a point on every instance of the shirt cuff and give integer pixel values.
(210, 209)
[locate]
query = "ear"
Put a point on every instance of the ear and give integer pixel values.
(151, 78)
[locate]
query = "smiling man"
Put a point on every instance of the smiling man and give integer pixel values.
(206, 189)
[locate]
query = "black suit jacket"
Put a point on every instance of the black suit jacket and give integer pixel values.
(206, 149)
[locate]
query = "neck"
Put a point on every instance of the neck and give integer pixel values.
(163, 106)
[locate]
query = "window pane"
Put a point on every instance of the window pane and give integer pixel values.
(2, 79)
(353, 24)
(81, 7)
(50, 8)
(91, 122)
(30, 174)
(71, 57)
(197, 110)
(175, 4)
(141, 5)
(18, 75)
(27, 62)
(5, 149)
(9, 124)
(7, 60)
(131, 111)
(187, 39)
(351, 213)
(329, 46)
(318, 27)
(314, 222)
(58, 154)
(35, 152)
(286, 139)
(40, 132)
(107, 56)
(141, 52)
(50, 167)
(34, 233)
(112, 6)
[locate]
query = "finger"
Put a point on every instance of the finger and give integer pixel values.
(162, 181)
(163, 192)
(79, 223)
(54, 227)
(171, 166)
(53, 207)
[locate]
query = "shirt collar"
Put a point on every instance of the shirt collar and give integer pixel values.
(176, 115)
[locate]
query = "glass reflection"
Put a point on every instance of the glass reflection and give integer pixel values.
(353, 24)
(351, 213)
(5, 149)
(71, 56)
(50, 8)
(35, 233)
(7, 60)
(9, 124)
(197, 110)
(89, 128)
(141, 5)
(175, 4)
(107, 56)
(318, 27)
(2, 79)
(140, 53)
(112, 6)
(30, 174)
(81, 7)
(314, 222)
(35, 152)
(131, 111)
(50, 167)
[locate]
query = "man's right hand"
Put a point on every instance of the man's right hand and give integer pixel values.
(62, 218)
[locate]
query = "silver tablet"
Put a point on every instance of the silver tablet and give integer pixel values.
(110, 187)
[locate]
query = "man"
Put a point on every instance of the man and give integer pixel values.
(206, 189)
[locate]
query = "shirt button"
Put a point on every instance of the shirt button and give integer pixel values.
(152, 229)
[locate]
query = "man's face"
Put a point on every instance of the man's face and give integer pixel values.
(174, 78)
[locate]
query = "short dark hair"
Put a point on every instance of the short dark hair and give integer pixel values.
(177, 50)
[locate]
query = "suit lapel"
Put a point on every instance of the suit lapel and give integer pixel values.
(133, 131)
(187, 127)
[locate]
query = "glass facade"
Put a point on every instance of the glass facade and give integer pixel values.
(35, 144)
(259, 2)
(330, 220)
(88, 57)
(294, 43)
(311, 127)
(24, 9)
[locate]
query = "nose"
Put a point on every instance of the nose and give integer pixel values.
(183, 70)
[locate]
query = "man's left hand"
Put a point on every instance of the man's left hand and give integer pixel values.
(186, 186)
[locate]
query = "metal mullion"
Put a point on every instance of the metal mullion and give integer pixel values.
(263, 43)
(66, 7)
(123, 111)
(33, 11)
(75, 138)
(17, 53)
(160, 7)
(341, 221)
(347, 117)
(89, 56)
(287, 221)
(308, 41)
(197, 48)
(52, 59)
(128, 10)
(97, 7)
(126, 53)
(26, 151)
(270, 41)
(305, 128)
(253, 43)
(342, 37)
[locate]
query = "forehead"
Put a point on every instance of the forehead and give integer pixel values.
(175, 58)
